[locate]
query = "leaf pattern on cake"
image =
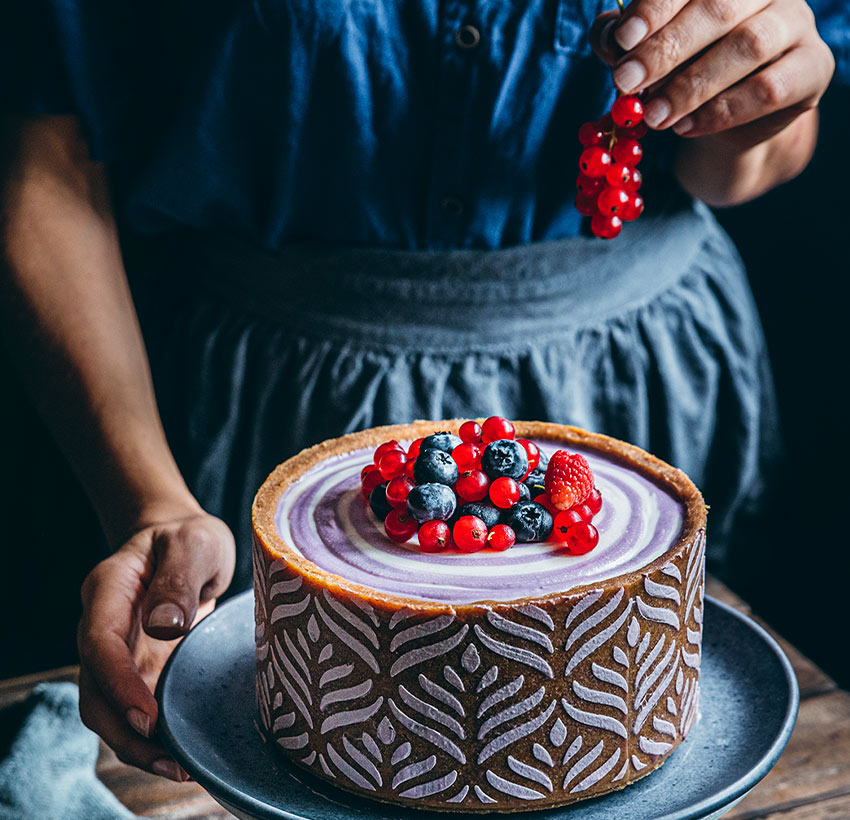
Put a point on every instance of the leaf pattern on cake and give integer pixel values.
(475, 713)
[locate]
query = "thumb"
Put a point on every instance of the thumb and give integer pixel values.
(601, 37)
(194, 563)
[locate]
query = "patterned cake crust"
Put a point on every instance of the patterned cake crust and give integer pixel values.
(486, 707)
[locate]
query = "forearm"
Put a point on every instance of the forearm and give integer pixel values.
(726, 169)
(72, 327)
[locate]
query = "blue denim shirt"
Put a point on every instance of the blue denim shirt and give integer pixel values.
(416, 124)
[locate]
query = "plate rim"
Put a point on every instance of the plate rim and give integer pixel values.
(212, 783)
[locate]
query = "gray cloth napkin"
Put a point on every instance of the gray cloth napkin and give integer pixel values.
(47, 772)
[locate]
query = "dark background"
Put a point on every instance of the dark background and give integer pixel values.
(793, 568)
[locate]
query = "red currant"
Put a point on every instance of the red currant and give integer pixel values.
(627, 111)
(397, 491)
(584, 512)
(595, 161)
(386, 447)
(589, 186)
(392, 464)
(634, 181)
(581, 538)
(606, 123)
(467, 456)
(612, 201)
(563, 521)
(434, 536)
(504, 492)
(366, 470)
(399, 526)
(414, 448)
(495, 428)
(633, 208)
(501, 537)
(470, 432)
(618, 175)
(594, 501)
(627, 151)
(370, 480)
(469, 533)
(606, 226)
(472, 485)
(533, 452)
(591, 134)
(409, 467)
(637, 131)
(586, 205)
(544, 501)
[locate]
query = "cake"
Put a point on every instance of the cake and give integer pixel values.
(481, 682)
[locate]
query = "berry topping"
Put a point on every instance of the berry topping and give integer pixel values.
(386, 447)
(505, 457)
(414, 448)
(470, 432)
(440, 441)
(489, 514)
(469, 533)
(584, 512)
(495, 428)
(504, 492)
(544, 501)
(435, 467)
(563, 521)
(370, 478)
(524, 493)
(536, 481)
(627, 111)
(530, 521)
(397, 491)
(399, 526)
(581, 538)
(501, 537)
(568, 479)
(533, 452)
(434, 536)
(427, 502)
(467, 456)
(392, 464)
(594, 501)
(378, 501)
(472, 485)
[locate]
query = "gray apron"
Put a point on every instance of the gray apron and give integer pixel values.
(652, 338)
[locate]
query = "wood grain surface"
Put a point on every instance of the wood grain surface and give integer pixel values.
(811, 781)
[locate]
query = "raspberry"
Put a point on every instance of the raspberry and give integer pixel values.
(544, 501)
(568, 479)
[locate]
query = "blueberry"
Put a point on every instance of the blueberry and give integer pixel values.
(524, 494)
(543, 463)
(440, 441)
(378, 501)
(504, 457)
(489, 514)
(435, 467)
(536, 481)
(431, 502)
(530, 521)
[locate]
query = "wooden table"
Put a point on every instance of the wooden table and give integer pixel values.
(811, 781)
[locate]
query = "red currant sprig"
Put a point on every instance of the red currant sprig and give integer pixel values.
(609, 181)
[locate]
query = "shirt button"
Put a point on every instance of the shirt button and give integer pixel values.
(452, 205)
(467, 36)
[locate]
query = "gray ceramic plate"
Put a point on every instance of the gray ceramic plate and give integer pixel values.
(748, 707)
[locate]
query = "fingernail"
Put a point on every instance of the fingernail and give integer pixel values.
(656, 111)
(168, 768)
(629, 75)
(631, 33)
(166, 616)
(139, 721)
(684, 125)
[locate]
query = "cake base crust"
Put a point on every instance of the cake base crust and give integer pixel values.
(494, 706)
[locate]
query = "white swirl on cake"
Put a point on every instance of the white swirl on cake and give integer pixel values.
(323, 517)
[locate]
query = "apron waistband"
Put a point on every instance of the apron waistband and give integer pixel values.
(448, 300)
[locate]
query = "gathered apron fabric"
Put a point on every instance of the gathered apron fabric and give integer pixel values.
(652, 338)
